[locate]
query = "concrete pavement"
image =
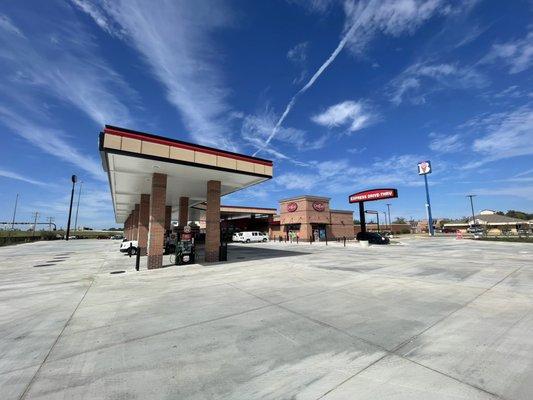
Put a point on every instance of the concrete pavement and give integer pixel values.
(427, 319)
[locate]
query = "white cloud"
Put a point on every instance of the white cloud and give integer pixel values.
(256, 128)
(517, 54)
(317, 6)
(174, 39)
(391, 17)
(62, 61)
(96, 210)
(445, 144)
(99, 17)
(13, 175)
(7, 25)
(298, 56)
(363, 21)
(522, 191)
(298, 53)
(507, 135)
(342, 175)
(51, 141)
(411, 82)
(350, 114)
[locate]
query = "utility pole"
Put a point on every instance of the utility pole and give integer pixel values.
(15, 212)
(50, 220)
(78, 207)
(36, 216)
(74, 179)
(390, 220)
(385, 214)
(471, 196)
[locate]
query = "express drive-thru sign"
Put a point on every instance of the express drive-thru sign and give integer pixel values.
(374, 194)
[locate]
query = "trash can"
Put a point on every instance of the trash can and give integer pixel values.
(223, 252)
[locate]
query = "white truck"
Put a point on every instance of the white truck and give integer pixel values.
(247, 237)
(125, 245)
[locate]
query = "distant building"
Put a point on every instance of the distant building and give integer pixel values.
(494, 224)
(310, 218)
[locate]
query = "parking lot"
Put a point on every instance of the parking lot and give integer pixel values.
(423, 319)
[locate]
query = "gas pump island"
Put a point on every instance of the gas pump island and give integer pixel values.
(185, 252)
(370, 195)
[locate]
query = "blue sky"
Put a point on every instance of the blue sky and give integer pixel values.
(343, 96)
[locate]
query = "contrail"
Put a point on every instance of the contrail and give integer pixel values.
(311, 81)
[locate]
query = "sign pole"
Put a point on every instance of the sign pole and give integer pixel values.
(362, 216)
(428, 206)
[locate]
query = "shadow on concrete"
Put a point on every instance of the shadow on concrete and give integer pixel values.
(241, 253)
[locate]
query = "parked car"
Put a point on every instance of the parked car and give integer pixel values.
(125, 245)
(248, 237)
(390, 235)
(476, 229)
(373, 237)
(117, 237)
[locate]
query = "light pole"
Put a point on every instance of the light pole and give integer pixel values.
(390, 220)
(74, 179)
(374, 212)
(385, 214)
(14, 212)
(36, 215)
(471, 196)
(77, 208)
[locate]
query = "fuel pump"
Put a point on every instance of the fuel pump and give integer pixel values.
(185, 251)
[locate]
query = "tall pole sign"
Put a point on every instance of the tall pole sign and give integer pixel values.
(424, 168)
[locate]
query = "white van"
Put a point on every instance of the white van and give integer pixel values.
(248, 237)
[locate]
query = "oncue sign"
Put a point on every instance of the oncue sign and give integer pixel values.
(370, 195)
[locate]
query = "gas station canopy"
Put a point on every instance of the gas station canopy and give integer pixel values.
(130, 159)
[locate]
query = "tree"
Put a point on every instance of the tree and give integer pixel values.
(399, 220)
(518, 214)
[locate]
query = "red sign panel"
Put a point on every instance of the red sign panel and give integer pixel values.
(375, 194)
(319, 206)
(292, 207)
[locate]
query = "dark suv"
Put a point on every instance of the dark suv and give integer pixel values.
(373, 237)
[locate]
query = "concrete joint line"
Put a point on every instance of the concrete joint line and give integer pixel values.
(387, 351)
(34, 377)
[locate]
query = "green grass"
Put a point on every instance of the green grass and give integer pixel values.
(14, 237)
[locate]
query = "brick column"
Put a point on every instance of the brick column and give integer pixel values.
(168, 217)
(135, 222)
(128, 235)
(126, 227)
(183, 212)
(144, 219)
(212, 221)
(157, 221)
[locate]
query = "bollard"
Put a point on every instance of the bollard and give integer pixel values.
(296, 239)
(344, 240)
(326, 240)
(138, 259)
